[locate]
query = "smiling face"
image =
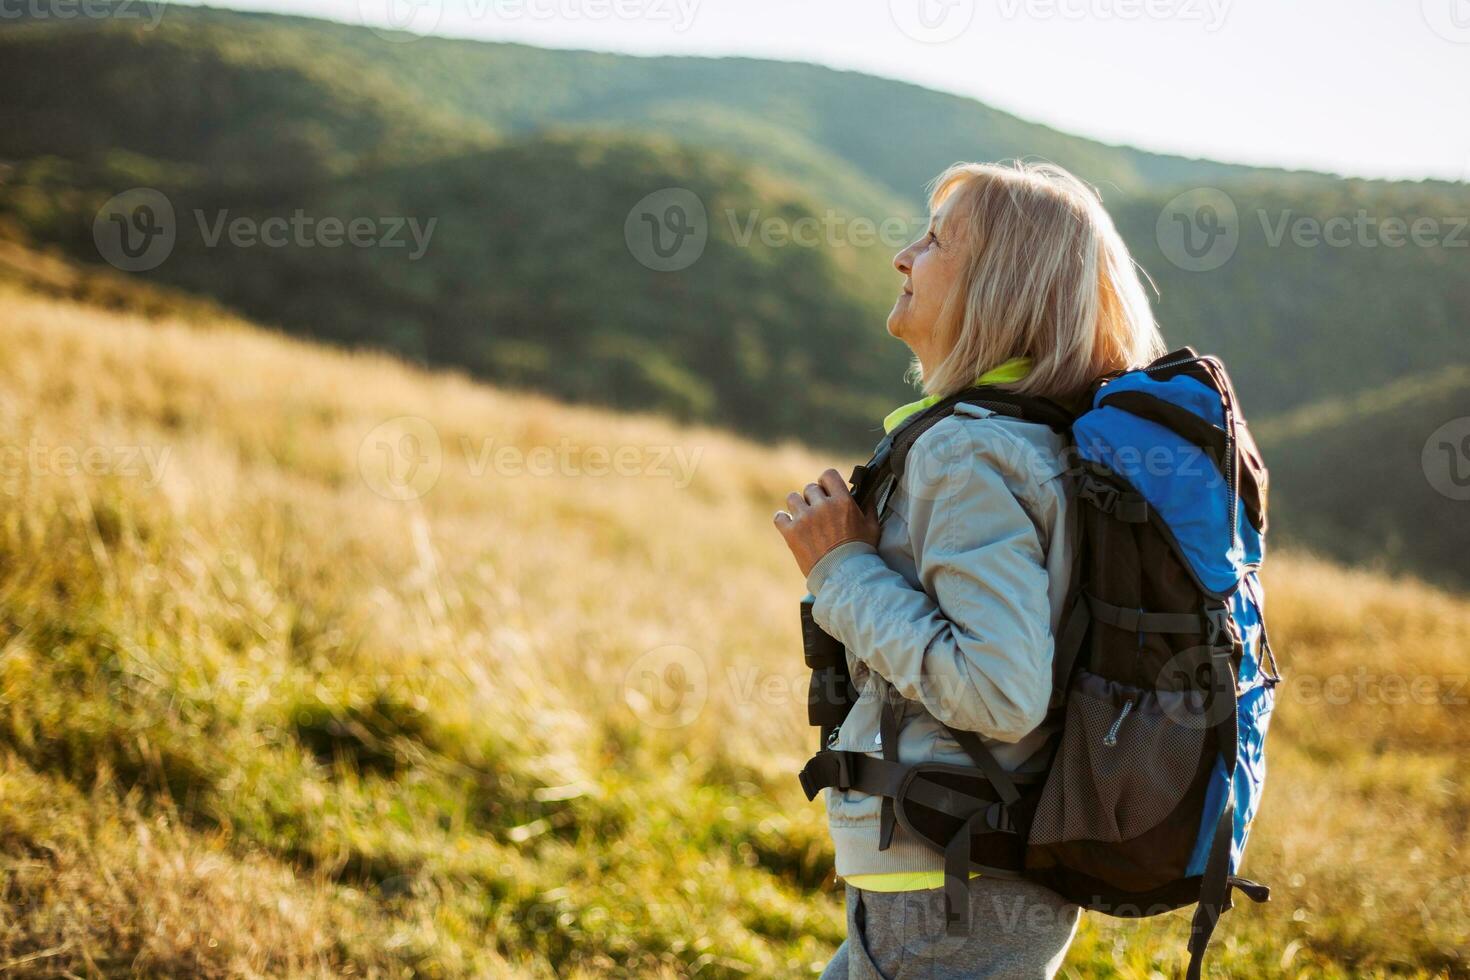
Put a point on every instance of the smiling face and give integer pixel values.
(931, 268)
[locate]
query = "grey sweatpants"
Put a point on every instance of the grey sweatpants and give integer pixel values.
(1018, 930)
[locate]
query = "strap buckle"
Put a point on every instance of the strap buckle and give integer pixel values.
(1217, 619)
(1101, 495)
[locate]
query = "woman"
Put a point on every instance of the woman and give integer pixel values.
(951, 596)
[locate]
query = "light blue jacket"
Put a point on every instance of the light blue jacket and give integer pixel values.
(956, 609)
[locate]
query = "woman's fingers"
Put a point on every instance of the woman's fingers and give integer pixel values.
(829, 485)
(832, 482)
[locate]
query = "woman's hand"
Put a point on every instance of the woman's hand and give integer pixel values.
(820, 518)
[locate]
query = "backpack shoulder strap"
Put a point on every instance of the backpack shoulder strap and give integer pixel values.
(891, 455)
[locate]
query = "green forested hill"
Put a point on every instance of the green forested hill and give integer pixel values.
(1325, 295)
(1379, 476)
(526, 275)
(863, 141)
(210, 102)
(532, 164)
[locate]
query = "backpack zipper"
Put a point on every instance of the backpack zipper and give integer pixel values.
(1111, 739)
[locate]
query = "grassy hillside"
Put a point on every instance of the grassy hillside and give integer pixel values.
(262, 716)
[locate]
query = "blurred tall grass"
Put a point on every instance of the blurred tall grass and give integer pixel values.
(257, 719)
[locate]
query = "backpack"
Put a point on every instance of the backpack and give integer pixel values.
(1163, 677)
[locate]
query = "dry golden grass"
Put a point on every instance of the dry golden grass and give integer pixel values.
(259, 718)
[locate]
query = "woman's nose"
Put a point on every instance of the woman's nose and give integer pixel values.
(901, 260)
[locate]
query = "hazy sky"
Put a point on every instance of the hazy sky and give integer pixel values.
(1361, 87)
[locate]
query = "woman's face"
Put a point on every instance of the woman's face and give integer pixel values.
(930, 267)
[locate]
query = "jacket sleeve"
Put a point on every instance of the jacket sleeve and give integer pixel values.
(973, 644)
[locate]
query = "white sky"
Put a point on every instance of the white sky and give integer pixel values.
(1376, 88)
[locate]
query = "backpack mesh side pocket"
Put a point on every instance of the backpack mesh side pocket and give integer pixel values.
(1128, 759)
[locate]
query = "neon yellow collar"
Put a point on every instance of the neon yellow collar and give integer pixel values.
(1013, 370)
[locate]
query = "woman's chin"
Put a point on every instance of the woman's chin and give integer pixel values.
(895, 320)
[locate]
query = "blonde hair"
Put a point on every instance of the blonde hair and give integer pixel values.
(1048, 277)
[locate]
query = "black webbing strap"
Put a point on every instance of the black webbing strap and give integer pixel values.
(888, 734)
(1071, 634)
(844, 770)
(1069, 644)
(1214, 890)
(995, 774)
(957, 878)
(957, 852)
(1141, 620)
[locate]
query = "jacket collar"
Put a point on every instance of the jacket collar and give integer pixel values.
(1013, 370)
